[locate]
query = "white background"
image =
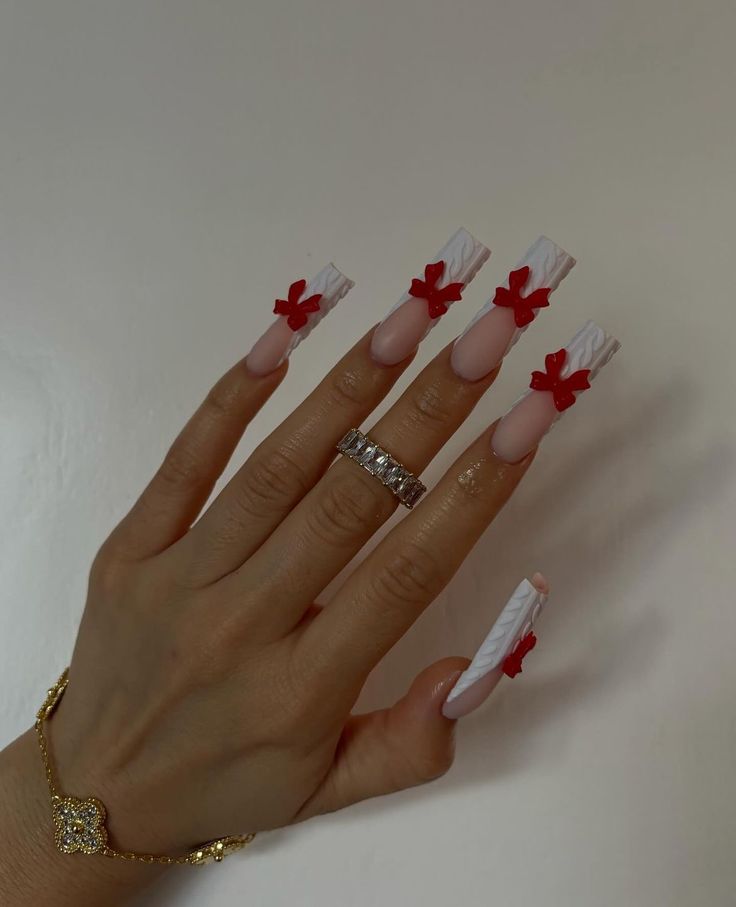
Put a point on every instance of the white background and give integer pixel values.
(168, 168)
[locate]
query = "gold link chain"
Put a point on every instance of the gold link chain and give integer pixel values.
(80, 824)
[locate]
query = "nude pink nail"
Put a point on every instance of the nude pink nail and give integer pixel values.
(502, 651)
(568, 373)
(306, 305)
(428, 298)
(499, 324)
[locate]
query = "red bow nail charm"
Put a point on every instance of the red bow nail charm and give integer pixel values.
(562, 388)
(512, 662)
(297, 312)
(437, 298)
(523, 306)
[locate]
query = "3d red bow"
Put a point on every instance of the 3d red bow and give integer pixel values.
(437, 298)
(296, 312)
(512, 662)
(523, 306)
(562, 388)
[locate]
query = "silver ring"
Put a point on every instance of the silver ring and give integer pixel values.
(404, 484)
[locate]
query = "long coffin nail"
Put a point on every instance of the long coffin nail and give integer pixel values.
(568, 373)
(502, 651)
(502, 320)
(303, 309)
(420, 308)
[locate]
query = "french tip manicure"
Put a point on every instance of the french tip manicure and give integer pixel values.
(420, 308)
(307, 303)
(567, 375)
(497, 327)
(502, 651)
(472, 698)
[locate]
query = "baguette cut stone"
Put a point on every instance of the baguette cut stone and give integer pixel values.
(397, 477)
(414, 493)
(350, 438)
(368, 453)
(380, 464)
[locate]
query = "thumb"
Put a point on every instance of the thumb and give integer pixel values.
(391, 749)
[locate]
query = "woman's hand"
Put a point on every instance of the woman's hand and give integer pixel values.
(208, 693)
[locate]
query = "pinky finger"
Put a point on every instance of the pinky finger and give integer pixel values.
(184, 481)
(412, 742)
(392, 749)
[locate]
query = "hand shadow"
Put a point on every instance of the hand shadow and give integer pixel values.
(589, 522)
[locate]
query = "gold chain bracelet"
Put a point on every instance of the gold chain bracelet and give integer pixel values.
(79, 825)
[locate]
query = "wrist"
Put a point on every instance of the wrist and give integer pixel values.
(32, 870)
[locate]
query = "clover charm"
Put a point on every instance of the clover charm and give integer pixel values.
(79, 825)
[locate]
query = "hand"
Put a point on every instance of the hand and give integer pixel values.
(209, 694)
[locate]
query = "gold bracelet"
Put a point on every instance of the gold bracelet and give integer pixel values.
(79, 825)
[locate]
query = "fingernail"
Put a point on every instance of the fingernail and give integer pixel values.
(568, 373)
(502, 651)
(306, 305)
(428, 298)
(503, 319)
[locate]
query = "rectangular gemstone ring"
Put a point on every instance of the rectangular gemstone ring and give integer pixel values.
(404, 484)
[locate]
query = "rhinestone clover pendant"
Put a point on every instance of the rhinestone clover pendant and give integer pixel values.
(79, 825)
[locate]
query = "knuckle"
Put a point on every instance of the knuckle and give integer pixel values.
(472, 485)
(410, 576)
(224, 397)
(434, 764)
(105, 569)
(274, 479)
(180, 468)
(110, 577)
(348, 507)
(428, 407)
(348, 387)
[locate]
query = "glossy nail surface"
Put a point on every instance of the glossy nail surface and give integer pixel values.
(499, 324)
(428, 298)
(306, 305)
(568, 373)
(514, 625)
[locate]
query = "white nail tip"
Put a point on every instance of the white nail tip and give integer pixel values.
(548, 265)
(590, 348)
(463, 256)
(514, 622)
